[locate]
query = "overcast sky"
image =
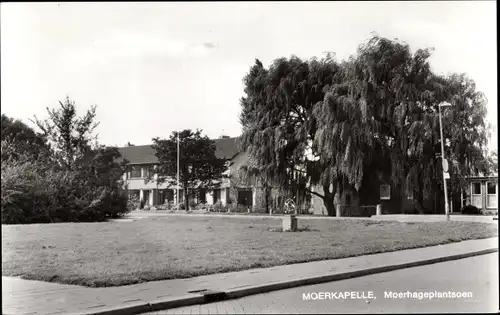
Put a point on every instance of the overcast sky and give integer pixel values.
(152, 68)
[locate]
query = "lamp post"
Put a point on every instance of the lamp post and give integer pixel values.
(444, 162)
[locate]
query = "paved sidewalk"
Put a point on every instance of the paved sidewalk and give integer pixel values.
(33, 297)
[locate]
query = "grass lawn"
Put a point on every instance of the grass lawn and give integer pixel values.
(167, 247)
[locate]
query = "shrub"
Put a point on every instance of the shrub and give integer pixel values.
(192, 204)
(31, 194)
(34, 192)
(201, 206)
(218, 206)
(168, 205)
(133, 203)
(470, 209)
(163, 207)
(239, 208)
(178, 207)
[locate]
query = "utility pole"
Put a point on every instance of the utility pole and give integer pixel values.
(444, 161)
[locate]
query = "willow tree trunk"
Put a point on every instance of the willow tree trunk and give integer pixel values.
(328, 200)
(419, 200)
(266, 196)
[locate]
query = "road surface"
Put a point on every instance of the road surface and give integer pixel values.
(477, 275)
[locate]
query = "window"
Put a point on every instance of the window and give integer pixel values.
(385, 192)
(147, 170)
(135, 171)
(134, 195)
(165, 195)
(202, 197)
(491, 188)
(476, 188)
(491, 198)
(476, 196)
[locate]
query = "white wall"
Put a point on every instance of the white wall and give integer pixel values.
(210, 197)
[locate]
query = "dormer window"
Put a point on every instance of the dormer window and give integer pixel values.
(135, 171)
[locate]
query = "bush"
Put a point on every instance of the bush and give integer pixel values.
(168, 205)
(218, 206)
(239, 208)
(133, 203)
(178, 207)
(34, 192)
(201, 206)
(192, 204)
(162, 207)
(470, 209)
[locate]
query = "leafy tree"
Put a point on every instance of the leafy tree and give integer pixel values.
(402, 96)
(251, 173)
(18, 139)
(76, 146)
(279, 127)
(103, 166)
(345, 124)
(490, 166)
(199, 167)
(70, 136)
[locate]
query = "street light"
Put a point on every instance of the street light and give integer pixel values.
(444, 162)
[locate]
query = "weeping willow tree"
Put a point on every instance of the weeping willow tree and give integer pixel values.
(279, 126)
(391, 114)
(342, 124)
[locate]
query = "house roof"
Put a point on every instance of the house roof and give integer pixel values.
(225, 148)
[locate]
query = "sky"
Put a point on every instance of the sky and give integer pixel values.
(152, 68)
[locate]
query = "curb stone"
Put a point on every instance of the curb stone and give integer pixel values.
(188, 300)
(130, 309)
(251, 290)
(174, 302)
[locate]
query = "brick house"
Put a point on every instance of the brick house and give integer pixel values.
(364, 201)
(142, 160)
(482, 193)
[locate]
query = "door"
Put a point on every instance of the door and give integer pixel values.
(245, 197)
(146, 197)
(491, 195)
